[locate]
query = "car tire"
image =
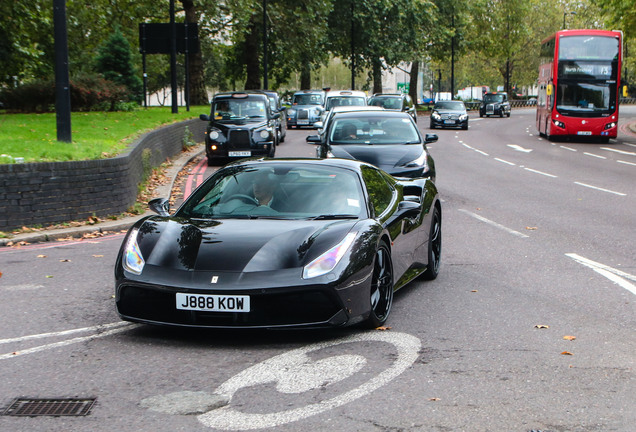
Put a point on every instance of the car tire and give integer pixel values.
(381, 292)
(434, 246)
(465, 127)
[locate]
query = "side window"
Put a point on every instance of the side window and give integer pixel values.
(379, 188)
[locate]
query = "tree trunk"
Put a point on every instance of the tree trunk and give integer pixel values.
(377, 76)
(305, 77)
(252, 60)
(198, 91)
(413, 79)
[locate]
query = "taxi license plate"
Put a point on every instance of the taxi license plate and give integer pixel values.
(240, 153)
(303, 122)
(213, 303)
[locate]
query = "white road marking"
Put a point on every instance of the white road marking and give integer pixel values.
(495, 224)
(600, 189)
(618, 151)
(540, 172)
(615, 275)
(568, 148)
(295, 372)
(100, 331)
(625, 162)
(594, 155)
(519, 148)
(505, 161)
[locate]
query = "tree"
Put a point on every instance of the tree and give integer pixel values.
(114, 62)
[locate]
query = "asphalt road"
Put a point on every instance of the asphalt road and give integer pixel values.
(529, 326)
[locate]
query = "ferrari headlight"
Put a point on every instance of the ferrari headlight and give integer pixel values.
(420, 161)
(328, 260)
(132, 259)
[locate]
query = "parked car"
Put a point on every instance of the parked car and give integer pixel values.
(449, 114)
(394, 102)
(336, 98)
(387, 139)
(277, 107)
(307, 106)
(495, 103)
(240, 125)
(342, 237)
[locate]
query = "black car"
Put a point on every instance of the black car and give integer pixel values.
(387, 139)
(394, 102)
(277, 107)
(281, 243)
(240, 125)
(449, 114)
(495, 103)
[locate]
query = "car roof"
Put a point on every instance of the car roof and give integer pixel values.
(346, 93)
(401, 95)
(249, 94)
(351, 164)
(381, 112)
(309, 92)
(357, 108)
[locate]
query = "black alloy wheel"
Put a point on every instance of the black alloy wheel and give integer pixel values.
(434, 247)
(381, 287)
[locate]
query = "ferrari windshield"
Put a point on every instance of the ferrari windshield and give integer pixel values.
(235, 109)
(277, 191)
(370, 129)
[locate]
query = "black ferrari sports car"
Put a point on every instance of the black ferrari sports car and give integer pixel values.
(278, 243)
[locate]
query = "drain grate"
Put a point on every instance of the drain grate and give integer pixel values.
(50, 407)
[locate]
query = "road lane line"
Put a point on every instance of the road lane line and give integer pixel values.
(600, 189)
(615, 275)
(619, 151)
(568, 148)
(96, 328)
(67, 342)
(594, 155)
(494, 224)
(505, 161)
(540, 172)
(626, 163)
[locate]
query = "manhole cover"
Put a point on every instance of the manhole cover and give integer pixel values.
(50, 407)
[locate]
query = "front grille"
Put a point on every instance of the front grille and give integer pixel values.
(50, 407)
(303, 114)
(239, 139)
(490, 108)
(268, 309)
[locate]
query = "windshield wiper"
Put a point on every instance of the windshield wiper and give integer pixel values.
(334, 216)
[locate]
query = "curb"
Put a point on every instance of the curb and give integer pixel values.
(163, 190)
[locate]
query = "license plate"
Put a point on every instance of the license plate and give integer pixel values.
(240, 153)
(213, 302)
(303, 122)
(449, 121)
(490, 111)
(584, 133)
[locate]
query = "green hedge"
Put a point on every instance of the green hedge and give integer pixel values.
(88, 93)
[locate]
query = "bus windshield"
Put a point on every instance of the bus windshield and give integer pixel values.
(588, 48)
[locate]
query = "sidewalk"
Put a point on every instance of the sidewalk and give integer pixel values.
(114, 226)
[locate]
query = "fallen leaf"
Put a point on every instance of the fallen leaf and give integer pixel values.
(566, 353)
(531, 228)
(474, 291)
(570, 338)
(0, 274)
(41, 256)
(15, 353)
(541, 326)
(65, 260)
(433, 399)
(98, 256)
(383, 328)
(49, 276)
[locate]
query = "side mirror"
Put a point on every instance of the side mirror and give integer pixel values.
(204, 117)
(276, 116)
(313, 139)
(161, 206)
(318, 125)
(430, 138)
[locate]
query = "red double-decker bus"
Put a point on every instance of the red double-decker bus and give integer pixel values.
(579, 82)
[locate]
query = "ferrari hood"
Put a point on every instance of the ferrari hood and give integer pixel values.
(387, 157)
(236, 245)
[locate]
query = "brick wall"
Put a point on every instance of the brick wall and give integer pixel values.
(52, 192)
